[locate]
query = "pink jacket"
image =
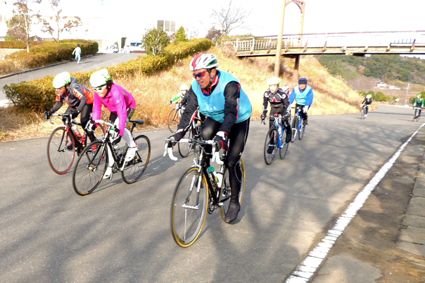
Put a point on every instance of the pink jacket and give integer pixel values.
(118, 100)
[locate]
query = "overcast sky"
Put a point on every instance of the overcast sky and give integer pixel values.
(134, 17)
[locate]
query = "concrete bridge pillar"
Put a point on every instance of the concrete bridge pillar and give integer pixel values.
(297, 66)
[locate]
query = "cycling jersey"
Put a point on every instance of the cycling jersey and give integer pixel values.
(304, 97)
(367, 101)
(118, 100)
(279, 101)
(419, 102)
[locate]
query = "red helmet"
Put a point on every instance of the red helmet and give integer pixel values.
(203, 61)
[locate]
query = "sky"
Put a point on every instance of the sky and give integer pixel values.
(131, 18)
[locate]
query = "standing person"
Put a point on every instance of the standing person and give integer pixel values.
(419, 104)
(78, 98)
(303, 96)
(121, 104)
(77, 53)
(366, 102)
(279, 104)
(227, 111)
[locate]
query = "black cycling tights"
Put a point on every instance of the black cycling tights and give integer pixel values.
(237, 139)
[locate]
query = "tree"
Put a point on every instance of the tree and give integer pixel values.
(19, 26)
(214, 34)
(155, 40)
(228, 18)
(181, 35)
(56, 23)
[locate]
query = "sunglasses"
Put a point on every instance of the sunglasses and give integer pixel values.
(99, 88)
(199, 75)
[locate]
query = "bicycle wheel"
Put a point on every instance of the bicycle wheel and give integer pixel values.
(301, 131)
(226, 190)
(269, 143)
(135, 168)
(61, 150)
(294, 129)
(189, 207)
(284, 150)
(185, 148)
(173, 119)
(89, 169)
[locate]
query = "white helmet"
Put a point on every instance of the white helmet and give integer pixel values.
(203, 61)
(61, 79)
(183, 87)
(369, 96)
(274, 81)
(100, 78)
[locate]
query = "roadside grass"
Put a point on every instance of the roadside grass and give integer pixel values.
(153, 93)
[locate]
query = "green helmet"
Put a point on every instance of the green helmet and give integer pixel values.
(61, 79)
(100, 78)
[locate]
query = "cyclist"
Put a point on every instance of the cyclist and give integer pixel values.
(418, 103)
(279, 104)
(181, 97)
(227, 111)
(78, 98)
(303, 96)
(366, 102)
(121, 104)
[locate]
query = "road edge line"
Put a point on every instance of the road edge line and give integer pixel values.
(305, 271)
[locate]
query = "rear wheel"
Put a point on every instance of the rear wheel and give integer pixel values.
(61, 150)
(173, 119)
(226, 191)
(270, 146)
(135, 168)
(90, 167)
(189, 207)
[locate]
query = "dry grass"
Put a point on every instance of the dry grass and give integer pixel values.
(332, 95)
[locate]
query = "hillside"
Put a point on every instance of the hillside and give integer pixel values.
(332, 95)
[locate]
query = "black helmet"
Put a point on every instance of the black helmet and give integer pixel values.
(302, 81)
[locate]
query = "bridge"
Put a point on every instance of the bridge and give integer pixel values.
(344, 43)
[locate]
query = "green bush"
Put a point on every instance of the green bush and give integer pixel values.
(38, 95)
(378, 96)
(13, 44)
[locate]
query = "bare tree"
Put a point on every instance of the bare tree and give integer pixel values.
(228, 18)
(56, 24)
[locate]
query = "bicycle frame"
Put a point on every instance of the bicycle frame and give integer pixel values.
(80, 142)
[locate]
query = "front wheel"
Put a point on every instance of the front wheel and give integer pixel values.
(61, 150)
(135, 168)
(189, 207)
(173, 120)
(185, 148)
(301, 129)
(284, 150)
(270, 144)
(90, 167)
(226, 191)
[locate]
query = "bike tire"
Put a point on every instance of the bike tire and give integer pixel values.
(185, 148)
(294, 129)
(226, 190)
(186, 231)
(283, 151)
(269, 157)
(90, 168)
(173, 119)
(135, 168)
(61, 150)
(301, 131)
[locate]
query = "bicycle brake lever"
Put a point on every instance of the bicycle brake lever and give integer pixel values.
(169, 150)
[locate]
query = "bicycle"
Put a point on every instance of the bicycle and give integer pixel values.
(416, 113)
(298, 125)
(364, 111)
(91, 165)
(193, 130)
(174, 117)
(200, 190)
(65, 142)
(275, 139)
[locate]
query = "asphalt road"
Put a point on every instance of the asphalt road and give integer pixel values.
(86, 64)
(121, 232)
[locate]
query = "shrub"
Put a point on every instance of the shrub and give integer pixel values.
(15, 44)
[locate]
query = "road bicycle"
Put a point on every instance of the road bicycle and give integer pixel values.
(91, 165)
(417, 113)
(364, 111)
(66, 142)
(203, 188)
(298, 125)
(275, 140)
(174, 117)
(193, 130)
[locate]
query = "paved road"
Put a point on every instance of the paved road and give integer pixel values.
(87, 64)
(121, 233)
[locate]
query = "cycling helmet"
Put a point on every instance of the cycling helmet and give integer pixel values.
(203, 61)
(369, 96)
(100, 78)
(302, 81)
(183, 87)
(273, 81)
(61, 79)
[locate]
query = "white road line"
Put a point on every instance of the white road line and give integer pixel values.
(311, 263)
